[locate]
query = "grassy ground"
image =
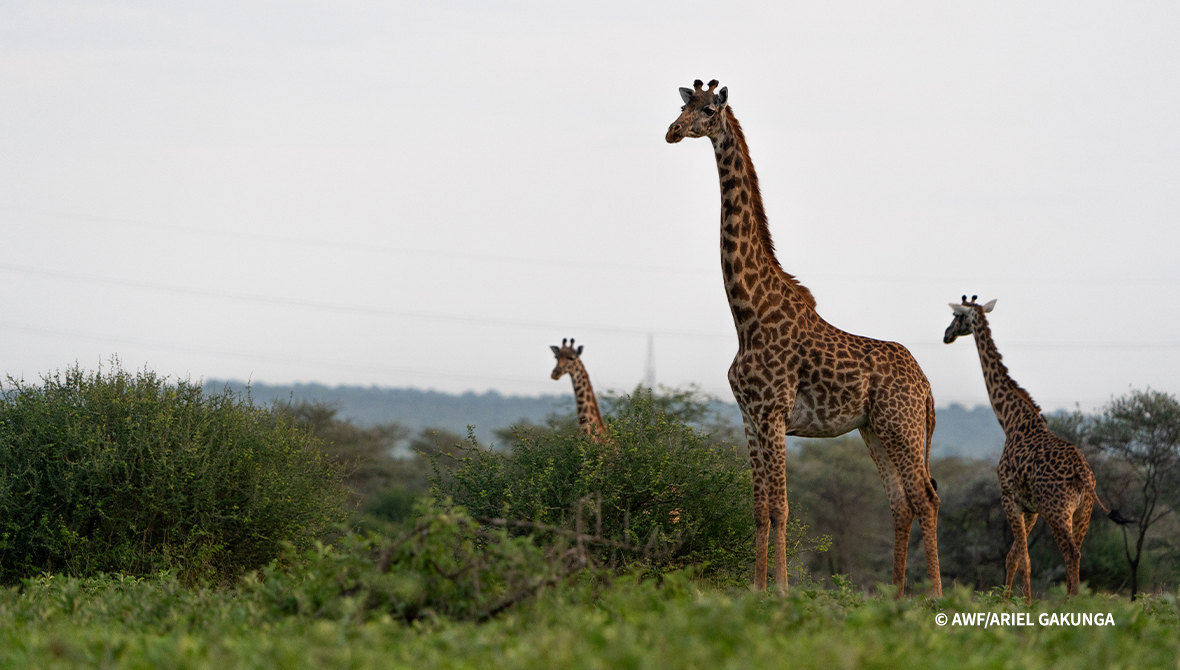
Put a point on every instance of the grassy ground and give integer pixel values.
(158, 623)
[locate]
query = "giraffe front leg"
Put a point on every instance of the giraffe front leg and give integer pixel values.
(761, 503)
(772, 438)
(780, 543)
(761, 538)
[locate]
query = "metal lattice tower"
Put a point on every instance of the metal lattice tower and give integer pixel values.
(649, 370)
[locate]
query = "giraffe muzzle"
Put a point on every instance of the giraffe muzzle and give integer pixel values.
(675, 133)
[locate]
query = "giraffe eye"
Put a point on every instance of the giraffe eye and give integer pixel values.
(709, 111)
(683, 107)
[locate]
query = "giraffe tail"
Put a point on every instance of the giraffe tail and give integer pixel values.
(1088, 478)
(1109, 513)
(929, 434)
(1113, 514)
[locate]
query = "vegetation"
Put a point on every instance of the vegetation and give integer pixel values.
(1134, 446)
(1131, 445)
(386, 471)
(113, 472)
(657, 483)
(364, 454)
(147, 523)
(673, 623)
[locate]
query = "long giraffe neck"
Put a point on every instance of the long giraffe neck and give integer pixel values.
(589, 418)
(755, 283)
(1011, 403)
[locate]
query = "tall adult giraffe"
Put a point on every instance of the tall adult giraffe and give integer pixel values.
(796, 374)
(569, 360)
(1039, 472)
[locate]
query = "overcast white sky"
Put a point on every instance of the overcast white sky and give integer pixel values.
(430, 193)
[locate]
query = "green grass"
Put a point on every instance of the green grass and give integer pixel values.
(158, 623)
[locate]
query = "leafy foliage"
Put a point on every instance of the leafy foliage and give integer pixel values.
(1141, 433)
(115, 472)
(444, 565)
(833, 485)
(385, 476)
(394, 505)
(657, 482)
(366, 453)
(671, 623)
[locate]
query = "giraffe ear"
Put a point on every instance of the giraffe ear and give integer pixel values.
(722, 97)
(990, 306)
(579, 351)
(556, 350)
(957, 308)
(686, 95)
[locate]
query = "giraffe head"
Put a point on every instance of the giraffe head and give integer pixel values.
(566, 356)
(701, 114)
(968, 316)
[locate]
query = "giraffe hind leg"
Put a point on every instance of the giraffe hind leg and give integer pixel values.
(903, 515)
(1021, 523)
(924, 504)
(1081, 519)
(1081, 523)
(1060, 522)
(918, 498)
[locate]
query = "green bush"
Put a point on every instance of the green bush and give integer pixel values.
(445, 565)
(366, 453)
(114, 472)
(658, 484)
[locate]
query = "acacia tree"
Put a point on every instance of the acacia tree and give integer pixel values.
(1142, 431)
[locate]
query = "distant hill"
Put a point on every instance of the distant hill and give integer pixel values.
(413, 408)
(973, 433)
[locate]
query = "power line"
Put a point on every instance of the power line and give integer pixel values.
(370, 249)
(503, 323)
(171, 346)
(355, 309)
(519, 260)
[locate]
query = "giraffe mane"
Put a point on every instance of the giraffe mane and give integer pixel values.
(987, 331)
(760, 220)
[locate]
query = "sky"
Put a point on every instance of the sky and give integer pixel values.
(429, 194)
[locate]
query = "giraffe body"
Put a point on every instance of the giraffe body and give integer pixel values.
(796, 374)
(1040, 473)
(569, 361)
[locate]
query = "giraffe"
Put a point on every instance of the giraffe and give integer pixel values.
(796, 374)
(1039, 472)
(569, 360)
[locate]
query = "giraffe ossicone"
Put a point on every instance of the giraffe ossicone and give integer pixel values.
(796, 374)
(1039, 472)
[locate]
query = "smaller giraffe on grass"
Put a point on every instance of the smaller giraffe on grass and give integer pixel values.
(569, 361)
(1039, 472)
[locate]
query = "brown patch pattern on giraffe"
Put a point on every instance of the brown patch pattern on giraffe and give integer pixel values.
(1039, 472)
(569, 362)
(796, 374)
